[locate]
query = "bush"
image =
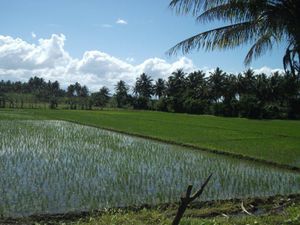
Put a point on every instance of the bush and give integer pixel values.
(161, 105)
(271, 112)
(195, 106)
(250, 107)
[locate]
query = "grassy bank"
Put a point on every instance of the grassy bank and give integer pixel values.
(277, 210)
(271, 140)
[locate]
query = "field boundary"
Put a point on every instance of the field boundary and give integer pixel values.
(262, 205)
(190, 146)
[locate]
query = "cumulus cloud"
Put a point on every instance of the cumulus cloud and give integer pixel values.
(267, 70)
(159, 68)
(130, 59)
(33, 35)
(19, 60)
(121, 21)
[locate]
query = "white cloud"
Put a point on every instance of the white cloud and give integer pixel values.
(159, 68)
(267, 70)
(130, 59)
(33, 35)
(121, 21)
(106, 25)
(19, 60)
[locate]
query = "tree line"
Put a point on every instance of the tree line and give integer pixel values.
(218, 93)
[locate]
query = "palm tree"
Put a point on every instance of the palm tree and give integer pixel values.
(159, 88)
(196, 85)
(101, 97)
(176, 88)
(143, 86)
(216, 82)
(260, 22)
(121, 93)
(176, 83)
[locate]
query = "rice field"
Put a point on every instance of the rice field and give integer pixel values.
(57, 167)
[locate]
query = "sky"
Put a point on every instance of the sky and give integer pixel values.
(99, 42)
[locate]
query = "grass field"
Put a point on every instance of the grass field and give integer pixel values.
(271, 140)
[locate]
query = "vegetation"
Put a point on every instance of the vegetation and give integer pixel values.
(58, 167)
(53, 166)
(274, 141)
(290, 216)
(277, 210)
(245, 95)
(262, 23)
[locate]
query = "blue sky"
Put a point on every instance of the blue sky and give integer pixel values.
(147, 30)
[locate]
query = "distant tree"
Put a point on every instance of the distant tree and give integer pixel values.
(101, 98)
(71, 97)
(121, 94)
(216, 83)
(52, 94)
(143, 86)
(78, 94)
(83, 91)
(36, 84)
(197, 85)
(196, 98)
(262, 88)
(71, 91)
(159, 88)
(143, 90)
(77, 89)
(3, 99)
(83, 94)
(246, 83)
(176, 87)
(229, 106)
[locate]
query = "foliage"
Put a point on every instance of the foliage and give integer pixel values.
(101, 98)
(159, 88)
(121, 94)
(261, 23)
(72, 167)
(246, 95)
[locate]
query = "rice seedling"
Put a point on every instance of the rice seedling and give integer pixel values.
(57, 167)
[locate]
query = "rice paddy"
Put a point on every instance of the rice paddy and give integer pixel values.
(57, 167)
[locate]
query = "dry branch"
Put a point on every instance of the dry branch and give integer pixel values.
(185, 201)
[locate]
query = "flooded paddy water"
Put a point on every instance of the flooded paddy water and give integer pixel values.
(58, 167)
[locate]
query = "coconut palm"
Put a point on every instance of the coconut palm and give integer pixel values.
(159, 88)
(143, 86)
(121, 93)
(261, 23)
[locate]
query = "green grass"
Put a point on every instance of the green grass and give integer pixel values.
(291, 216)
(224, 213)
(271, 140)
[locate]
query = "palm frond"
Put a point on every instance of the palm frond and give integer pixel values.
(263, 44)
(234, 12)
(262, 22)
(194, 6)
(220, 38)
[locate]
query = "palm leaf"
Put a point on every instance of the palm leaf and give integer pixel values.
(263, 44)
(194, 6)
(220, 38)
(233, 12)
